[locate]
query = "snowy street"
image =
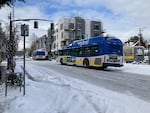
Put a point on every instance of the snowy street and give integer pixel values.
(56, 56)
(114, 79)
(55, 88)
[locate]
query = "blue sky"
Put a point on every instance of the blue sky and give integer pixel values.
(73, 7)
(120, 18)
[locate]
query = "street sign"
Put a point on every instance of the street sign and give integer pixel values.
(24, 30)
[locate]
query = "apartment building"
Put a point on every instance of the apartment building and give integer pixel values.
(42, 42)
(69, 29)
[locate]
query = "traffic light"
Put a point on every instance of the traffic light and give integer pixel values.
(52, 26)
(35, 24)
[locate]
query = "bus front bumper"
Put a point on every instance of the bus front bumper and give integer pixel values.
(113, 65)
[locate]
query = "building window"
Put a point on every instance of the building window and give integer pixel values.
(71, 35)
(57, 45)
(61, 26)
(96, 27)
(71, 25)
(78, 34)
(79, 25)
(62, 35)
(54, 46)
(96, 34)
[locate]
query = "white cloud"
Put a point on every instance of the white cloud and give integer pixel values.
(4, 13)
(125, 18)
(120, 18)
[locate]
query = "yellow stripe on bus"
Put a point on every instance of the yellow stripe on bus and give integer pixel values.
(65, 59)
(79, 61)
(128, 57)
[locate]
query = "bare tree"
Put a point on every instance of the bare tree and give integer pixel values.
(8, 2)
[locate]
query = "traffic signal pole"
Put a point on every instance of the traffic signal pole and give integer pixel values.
(24, 33)
(24, 64)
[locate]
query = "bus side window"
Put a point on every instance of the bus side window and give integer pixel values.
(76, 52)
(87, 51)
(80, 52)
(83, 51)
(65, 52)
(94, 50)
(61, 52)
(128, 52)
(72, 52)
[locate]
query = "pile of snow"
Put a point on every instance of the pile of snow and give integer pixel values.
(142, 69)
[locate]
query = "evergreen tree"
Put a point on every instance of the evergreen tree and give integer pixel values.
(137, 40)
(134, 39)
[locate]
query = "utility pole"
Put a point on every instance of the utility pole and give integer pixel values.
(140, 36)
(10, 47)
(141, 40)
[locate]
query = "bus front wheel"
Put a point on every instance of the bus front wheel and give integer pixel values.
(86, 63)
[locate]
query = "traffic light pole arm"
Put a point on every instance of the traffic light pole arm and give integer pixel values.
(31, 19)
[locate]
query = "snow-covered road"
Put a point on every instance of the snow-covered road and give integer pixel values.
(51, 91)
(112, 79)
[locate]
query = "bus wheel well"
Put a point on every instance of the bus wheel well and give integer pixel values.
(61, 61)
(85, 62)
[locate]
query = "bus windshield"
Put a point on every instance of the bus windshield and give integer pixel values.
(114, 48)
(40, 53)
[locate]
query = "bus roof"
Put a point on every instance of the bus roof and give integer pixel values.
(89, 42)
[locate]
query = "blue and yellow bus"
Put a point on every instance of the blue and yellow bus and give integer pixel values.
(96, 52)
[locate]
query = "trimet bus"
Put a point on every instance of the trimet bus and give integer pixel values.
(133, 53)
(39, 54)
(96, 52)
